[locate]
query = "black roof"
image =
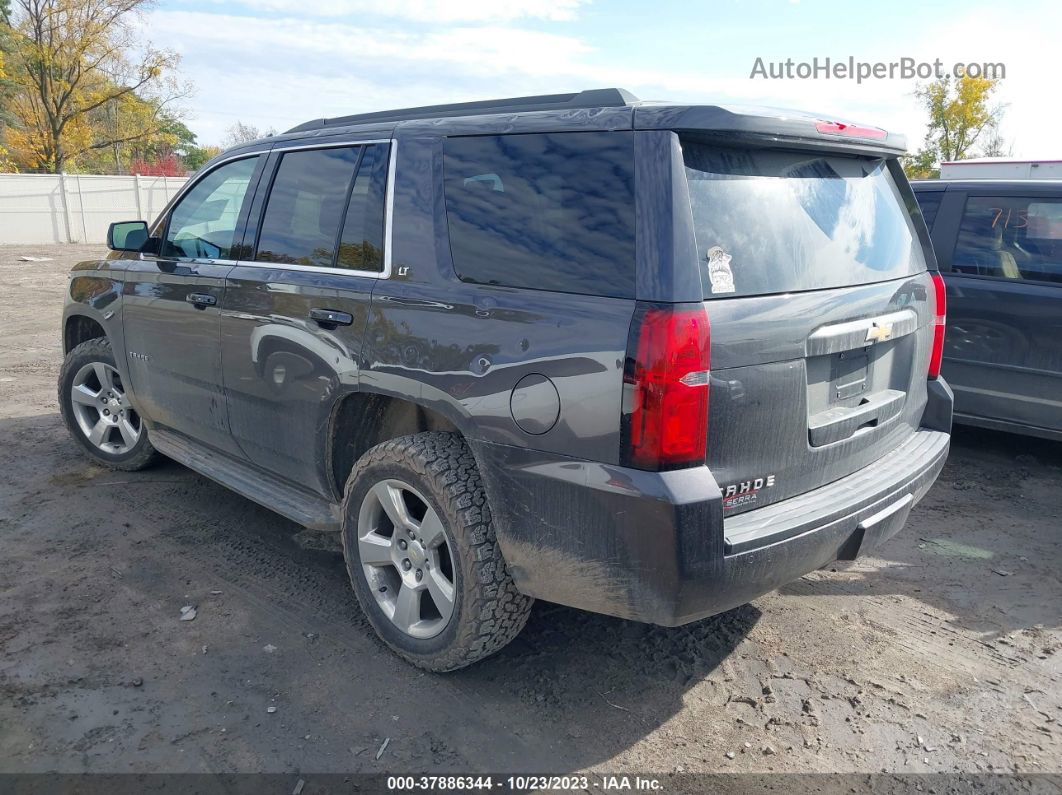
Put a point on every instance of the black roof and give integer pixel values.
(593, 98)
(614, 108)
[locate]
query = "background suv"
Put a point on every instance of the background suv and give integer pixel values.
(999, 243)
(645, 359)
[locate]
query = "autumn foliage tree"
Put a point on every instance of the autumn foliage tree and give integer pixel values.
(196, 156)
(5, 82)
(168, 166)
(82, 80)
(963, 123)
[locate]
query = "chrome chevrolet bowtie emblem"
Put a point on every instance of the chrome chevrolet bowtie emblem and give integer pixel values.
(879, 332)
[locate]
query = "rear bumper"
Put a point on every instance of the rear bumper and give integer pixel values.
(767, 548)
(654, 546)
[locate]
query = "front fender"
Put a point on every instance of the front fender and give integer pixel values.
(94, 296)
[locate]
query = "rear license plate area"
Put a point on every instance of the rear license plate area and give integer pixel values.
(849, 374)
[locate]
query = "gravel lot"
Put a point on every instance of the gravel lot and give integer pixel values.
(941, 655)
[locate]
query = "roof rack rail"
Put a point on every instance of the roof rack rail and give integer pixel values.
(592, 98)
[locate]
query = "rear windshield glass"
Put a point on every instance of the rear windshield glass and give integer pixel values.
(773, 221)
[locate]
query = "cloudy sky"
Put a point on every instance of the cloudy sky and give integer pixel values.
(276, 63)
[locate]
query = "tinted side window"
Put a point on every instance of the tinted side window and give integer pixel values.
(203, 224)
(361, 247)
(305, 206)
(1011, 238)
(545, 211)
(929, 203)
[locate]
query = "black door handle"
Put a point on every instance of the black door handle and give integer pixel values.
(330, 318)
(200, 300)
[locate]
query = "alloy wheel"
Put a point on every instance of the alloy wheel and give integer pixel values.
(406, 558)
(102, 410)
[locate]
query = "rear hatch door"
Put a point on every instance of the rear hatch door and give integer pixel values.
(820, 303)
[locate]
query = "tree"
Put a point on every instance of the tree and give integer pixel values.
(6, 44)
(960, 117)
(168, 166)
(5, 83)
(197, 156)
(71, 61)
(139, 130)
(997, 145)
(241, 133)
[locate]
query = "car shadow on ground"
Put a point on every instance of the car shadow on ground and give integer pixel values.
(598, 671)
(983, 546)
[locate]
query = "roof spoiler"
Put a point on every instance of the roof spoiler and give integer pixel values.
(736, 121)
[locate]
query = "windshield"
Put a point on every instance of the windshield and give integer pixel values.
(774, 221)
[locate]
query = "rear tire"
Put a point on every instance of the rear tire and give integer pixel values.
(422, 555)
(96, 409)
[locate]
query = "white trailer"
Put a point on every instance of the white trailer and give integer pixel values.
(1001, 168)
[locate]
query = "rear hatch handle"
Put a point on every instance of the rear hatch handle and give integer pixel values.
(841, 422)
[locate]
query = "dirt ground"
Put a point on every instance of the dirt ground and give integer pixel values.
(941, 655)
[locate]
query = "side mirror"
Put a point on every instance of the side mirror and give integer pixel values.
(127, 235)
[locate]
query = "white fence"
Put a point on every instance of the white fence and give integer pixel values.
(77, 208)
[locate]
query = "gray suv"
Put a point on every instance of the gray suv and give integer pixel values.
(650, 360)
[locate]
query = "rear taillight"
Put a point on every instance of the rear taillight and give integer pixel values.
(940, 311)
(665, 411)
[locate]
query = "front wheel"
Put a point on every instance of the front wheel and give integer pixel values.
(422, 556)
(97, 411)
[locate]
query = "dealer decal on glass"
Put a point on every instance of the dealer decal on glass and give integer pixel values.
(719, 272)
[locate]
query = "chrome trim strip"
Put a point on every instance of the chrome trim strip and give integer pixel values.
(330, 144)
(270, 150)
(389, 206)
(389, 211)
(852, 334)
(285, 266)
(193, 179)
(185, 260)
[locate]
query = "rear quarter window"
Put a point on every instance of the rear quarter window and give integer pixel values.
(770, 221)
(929, 203)
(543, 211)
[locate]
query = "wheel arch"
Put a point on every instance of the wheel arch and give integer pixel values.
(79, 328)
(362, 420)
